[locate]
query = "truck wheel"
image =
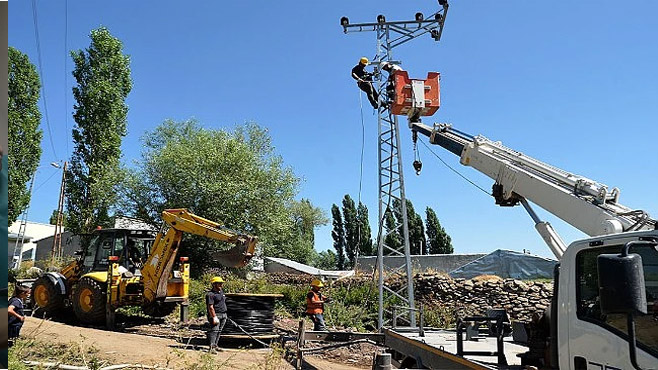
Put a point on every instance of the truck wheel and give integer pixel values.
(47, 296)
(159, 309)
(89, 301)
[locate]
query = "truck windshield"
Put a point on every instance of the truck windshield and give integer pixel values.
(588, 296)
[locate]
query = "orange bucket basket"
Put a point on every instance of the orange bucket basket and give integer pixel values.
(416, 94)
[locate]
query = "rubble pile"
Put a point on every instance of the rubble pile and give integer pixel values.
(473, 296)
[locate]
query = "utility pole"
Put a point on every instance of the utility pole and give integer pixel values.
(391, 178)
(57, 239)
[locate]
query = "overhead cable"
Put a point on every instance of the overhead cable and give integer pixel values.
(43, 83)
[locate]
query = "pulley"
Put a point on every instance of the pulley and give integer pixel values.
(418, 165)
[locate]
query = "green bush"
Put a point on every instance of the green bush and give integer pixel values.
(24, 272)
(294, 298)
(339, 315)
(354, 306)
(438, 316)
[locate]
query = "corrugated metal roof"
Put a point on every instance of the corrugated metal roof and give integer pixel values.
(306, 269)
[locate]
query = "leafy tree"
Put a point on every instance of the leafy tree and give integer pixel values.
(326, 260)
(24, 141)
(338, 235)
(233, 177)
(102, 73)
(439, 241)
(295, 247)
(53, 218)
(306, 218)
(365, 244)
(351, 229)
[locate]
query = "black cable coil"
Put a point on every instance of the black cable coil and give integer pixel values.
(255, 314)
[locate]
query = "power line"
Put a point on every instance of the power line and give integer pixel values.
(43, 82)
(454, 170)
(45, 181)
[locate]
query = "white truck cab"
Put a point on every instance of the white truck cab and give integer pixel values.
(587, 338)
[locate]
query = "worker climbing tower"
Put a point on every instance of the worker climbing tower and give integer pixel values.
(391, 178)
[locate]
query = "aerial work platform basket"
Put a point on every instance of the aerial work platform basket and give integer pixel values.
(415, 96)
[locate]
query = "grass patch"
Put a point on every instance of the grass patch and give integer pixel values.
(31, 349)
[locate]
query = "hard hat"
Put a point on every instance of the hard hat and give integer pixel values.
(364, 60)
(216, 279)
(317, 283)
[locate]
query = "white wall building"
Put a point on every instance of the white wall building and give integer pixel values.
(34, 231)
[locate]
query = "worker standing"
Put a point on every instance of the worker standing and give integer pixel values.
(315, 305)
(364, 81)
(216, 307)
(15, 311)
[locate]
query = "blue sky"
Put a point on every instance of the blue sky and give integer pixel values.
(573, 84)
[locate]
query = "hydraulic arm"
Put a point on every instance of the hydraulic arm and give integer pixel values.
(589, 206)
(159, 264)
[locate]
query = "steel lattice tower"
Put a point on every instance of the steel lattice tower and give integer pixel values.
(391, 176)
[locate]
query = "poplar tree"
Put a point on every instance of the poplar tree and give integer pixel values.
(25, 136)
(338, 235)
(439, 240)
(365, 244)
(393, 237)
(102, 73)
(351, 229)
(415, 227)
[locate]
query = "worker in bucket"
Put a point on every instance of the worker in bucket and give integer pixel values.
(216, 307)
(315, 305)
(391, 68)
(364, 81)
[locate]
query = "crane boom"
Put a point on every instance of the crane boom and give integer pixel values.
(589, 206)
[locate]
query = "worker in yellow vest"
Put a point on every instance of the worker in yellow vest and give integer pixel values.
(315, 305)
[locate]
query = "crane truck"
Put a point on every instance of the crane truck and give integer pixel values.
(600, 290)
(603, 285)
(129, 267)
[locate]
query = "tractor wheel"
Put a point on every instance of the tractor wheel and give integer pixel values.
(89, 301)
(159, 309)
(47, 296)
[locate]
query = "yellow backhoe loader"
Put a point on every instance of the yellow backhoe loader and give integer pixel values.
(124, 267)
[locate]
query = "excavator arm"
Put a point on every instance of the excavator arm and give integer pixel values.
(160, 262)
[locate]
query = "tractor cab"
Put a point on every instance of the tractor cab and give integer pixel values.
(131, 246)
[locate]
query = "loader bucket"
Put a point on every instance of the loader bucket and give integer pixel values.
(238, 256)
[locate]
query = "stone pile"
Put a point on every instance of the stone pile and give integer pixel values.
(464, 297)
(473, 296)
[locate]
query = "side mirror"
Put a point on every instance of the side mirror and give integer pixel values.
(621, 284)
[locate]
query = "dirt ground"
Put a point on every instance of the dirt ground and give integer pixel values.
(161, 350)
